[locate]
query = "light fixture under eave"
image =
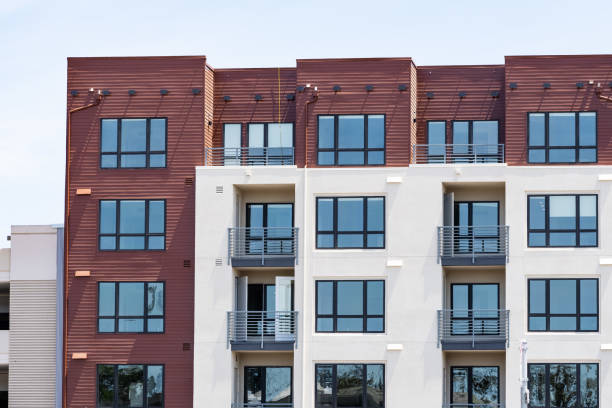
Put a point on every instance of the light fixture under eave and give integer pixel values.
(402, 87)
(258, 97)
(546, 85)
(227, 98)
(337, 88)
(513, 85)
(196, 91)
(369, 88)
(495, 94)
(579, 85)
(164, 92)
(462, 94)
(132, 92)
(430, 95)
(74, 92)
(290, 97)
(106, 92)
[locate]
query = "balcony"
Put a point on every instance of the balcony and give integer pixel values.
(249, 156)
(473, 329)
(466, 405)
(473, 245)
(457, 153)
(263, 405)
(262, 246)
(260, 330)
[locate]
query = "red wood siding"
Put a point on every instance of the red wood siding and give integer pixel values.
(446, 82)
(185, 140)
(562, 72)
(352, 75)
(241, 85)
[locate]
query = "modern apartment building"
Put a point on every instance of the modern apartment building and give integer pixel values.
(31, 300)
(345, 233)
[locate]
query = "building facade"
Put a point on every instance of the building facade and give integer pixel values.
(31, 275)
(345, 233)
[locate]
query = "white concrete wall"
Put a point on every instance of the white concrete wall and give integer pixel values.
(414, 290)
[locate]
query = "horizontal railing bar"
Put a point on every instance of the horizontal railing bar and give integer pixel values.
(249, 156)
(457, 153)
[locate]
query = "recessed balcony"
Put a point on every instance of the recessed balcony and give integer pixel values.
(484, 245)
(473, 329)
(263, 246)
(262, 330)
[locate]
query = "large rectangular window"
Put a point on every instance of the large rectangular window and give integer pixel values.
(130, 386)
(350, 222)
(268, 385)
(131, 307)
(132, 225)
(349, 385)
(133, 143)
(563, 305)
(351, 140)
(475, 385)
(562, 220)
(270, 143)
(350, 306)
(562, 137)
(569, 385)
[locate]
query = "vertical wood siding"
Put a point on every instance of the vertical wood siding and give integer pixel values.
(185, 141)
(446, 82)
(352, 75)
(562, 72)
(32, 344)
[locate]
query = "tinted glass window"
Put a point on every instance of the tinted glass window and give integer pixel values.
(350, 222)
(562, 137)
(268, 385)
(346, 385)
(563, 305)
(133, 143)
(351, 140)
(130, 385)
(350, 306)
(140, 307)
(475, 385)
(562, 220)
(135, 231)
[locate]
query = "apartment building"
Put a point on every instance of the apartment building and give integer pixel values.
(31, 300)
(345, 233)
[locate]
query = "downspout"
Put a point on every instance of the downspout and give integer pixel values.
(304, 245)
(66, 239)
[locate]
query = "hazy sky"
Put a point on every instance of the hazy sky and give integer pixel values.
(37, 36)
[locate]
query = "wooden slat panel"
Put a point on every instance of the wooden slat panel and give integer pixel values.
(185, 139)
(446, 82)
(562, 72)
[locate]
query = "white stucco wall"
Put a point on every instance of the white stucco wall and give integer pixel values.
(414, 291)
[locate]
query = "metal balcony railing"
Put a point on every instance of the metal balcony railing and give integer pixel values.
(261, 327)
(457, 153)
(484, 326)
(249, 156)
(473, 241)
(262, 243)
(466, 405)
(262, 405)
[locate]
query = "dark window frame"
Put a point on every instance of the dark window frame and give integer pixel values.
(365, 148)
(335, 316)
(365, 230)
(263, 381)
(334, 367)
(547, 313)
(470, 381)
(547, 231)
(148, 152)
(578, 380)
(265, 213)
(470, 129)
(145, 316)
(427, 130)
(116, 383)
(546, 147)
(146, 233)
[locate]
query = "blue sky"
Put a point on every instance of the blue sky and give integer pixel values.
(36, 37)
